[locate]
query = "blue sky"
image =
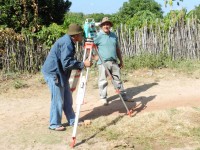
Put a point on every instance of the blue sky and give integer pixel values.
(112, 6)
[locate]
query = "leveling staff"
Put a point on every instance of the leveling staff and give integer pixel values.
(56, 70)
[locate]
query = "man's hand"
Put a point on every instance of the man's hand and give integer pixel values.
(95, 57)
(88, 63)
(121, 65)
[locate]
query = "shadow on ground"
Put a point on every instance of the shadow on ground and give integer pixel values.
(137, 105)
(116, 105)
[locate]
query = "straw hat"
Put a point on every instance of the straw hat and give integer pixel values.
(74, 29)
(106, 20)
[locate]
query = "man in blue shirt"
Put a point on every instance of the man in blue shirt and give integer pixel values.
(56, 70)
(108, 48)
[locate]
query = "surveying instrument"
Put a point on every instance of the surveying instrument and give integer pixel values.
(90, 48)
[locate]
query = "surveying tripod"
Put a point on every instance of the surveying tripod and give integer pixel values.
(90, 47)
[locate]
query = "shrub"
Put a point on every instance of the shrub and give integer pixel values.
(147, 60)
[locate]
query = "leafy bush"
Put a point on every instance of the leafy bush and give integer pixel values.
(141, 18)
(48, 35)
(31, 14)
(147, 60)
(73, 18)
(184, 65)
(163, 60)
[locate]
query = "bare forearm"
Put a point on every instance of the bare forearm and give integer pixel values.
(119, 55)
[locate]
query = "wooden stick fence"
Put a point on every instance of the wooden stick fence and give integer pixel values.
(179, 41)
(23, 56)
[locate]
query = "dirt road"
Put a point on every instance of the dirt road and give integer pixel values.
(24, 113)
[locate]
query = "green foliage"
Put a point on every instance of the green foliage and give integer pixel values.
(147, 60)
(171, 2)
(8, 34)
(196, 132)
(188, 66)
(41, 80)
(163, 60)
(10, 75)
(19, 84)
(79, 18)
(73, 18)
(115, 19)
(129, 9)
(173, 17)
(30, 14)
(11, 14)
(97, 16)
(111, 135)
(195, 13)
(52, 11)
(141, 18)
(48, 35)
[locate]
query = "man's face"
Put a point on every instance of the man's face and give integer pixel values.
(78, 37)
(106, 27)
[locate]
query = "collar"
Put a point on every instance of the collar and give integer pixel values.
(72, 40)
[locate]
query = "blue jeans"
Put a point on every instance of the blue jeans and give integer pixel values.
(61, 99)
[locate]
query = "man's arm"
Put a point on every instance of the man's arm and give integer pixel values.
(119, 55)
(69, 62)
(67, 59)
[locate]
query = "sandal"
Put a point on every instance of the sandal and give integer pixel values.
(61, 128)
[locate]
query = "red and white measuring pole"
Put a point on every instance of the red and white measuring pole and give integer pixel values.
(81, 89)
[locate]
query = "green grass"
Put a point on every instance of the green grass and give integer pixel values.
(173, 128)
(145, 60)
(18, 84)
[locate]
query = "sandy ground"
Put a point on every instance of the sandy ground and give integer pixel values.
(24, 113)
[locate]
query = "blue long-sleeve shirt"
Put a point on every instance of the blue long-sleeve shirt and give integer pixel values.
(60, 60)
